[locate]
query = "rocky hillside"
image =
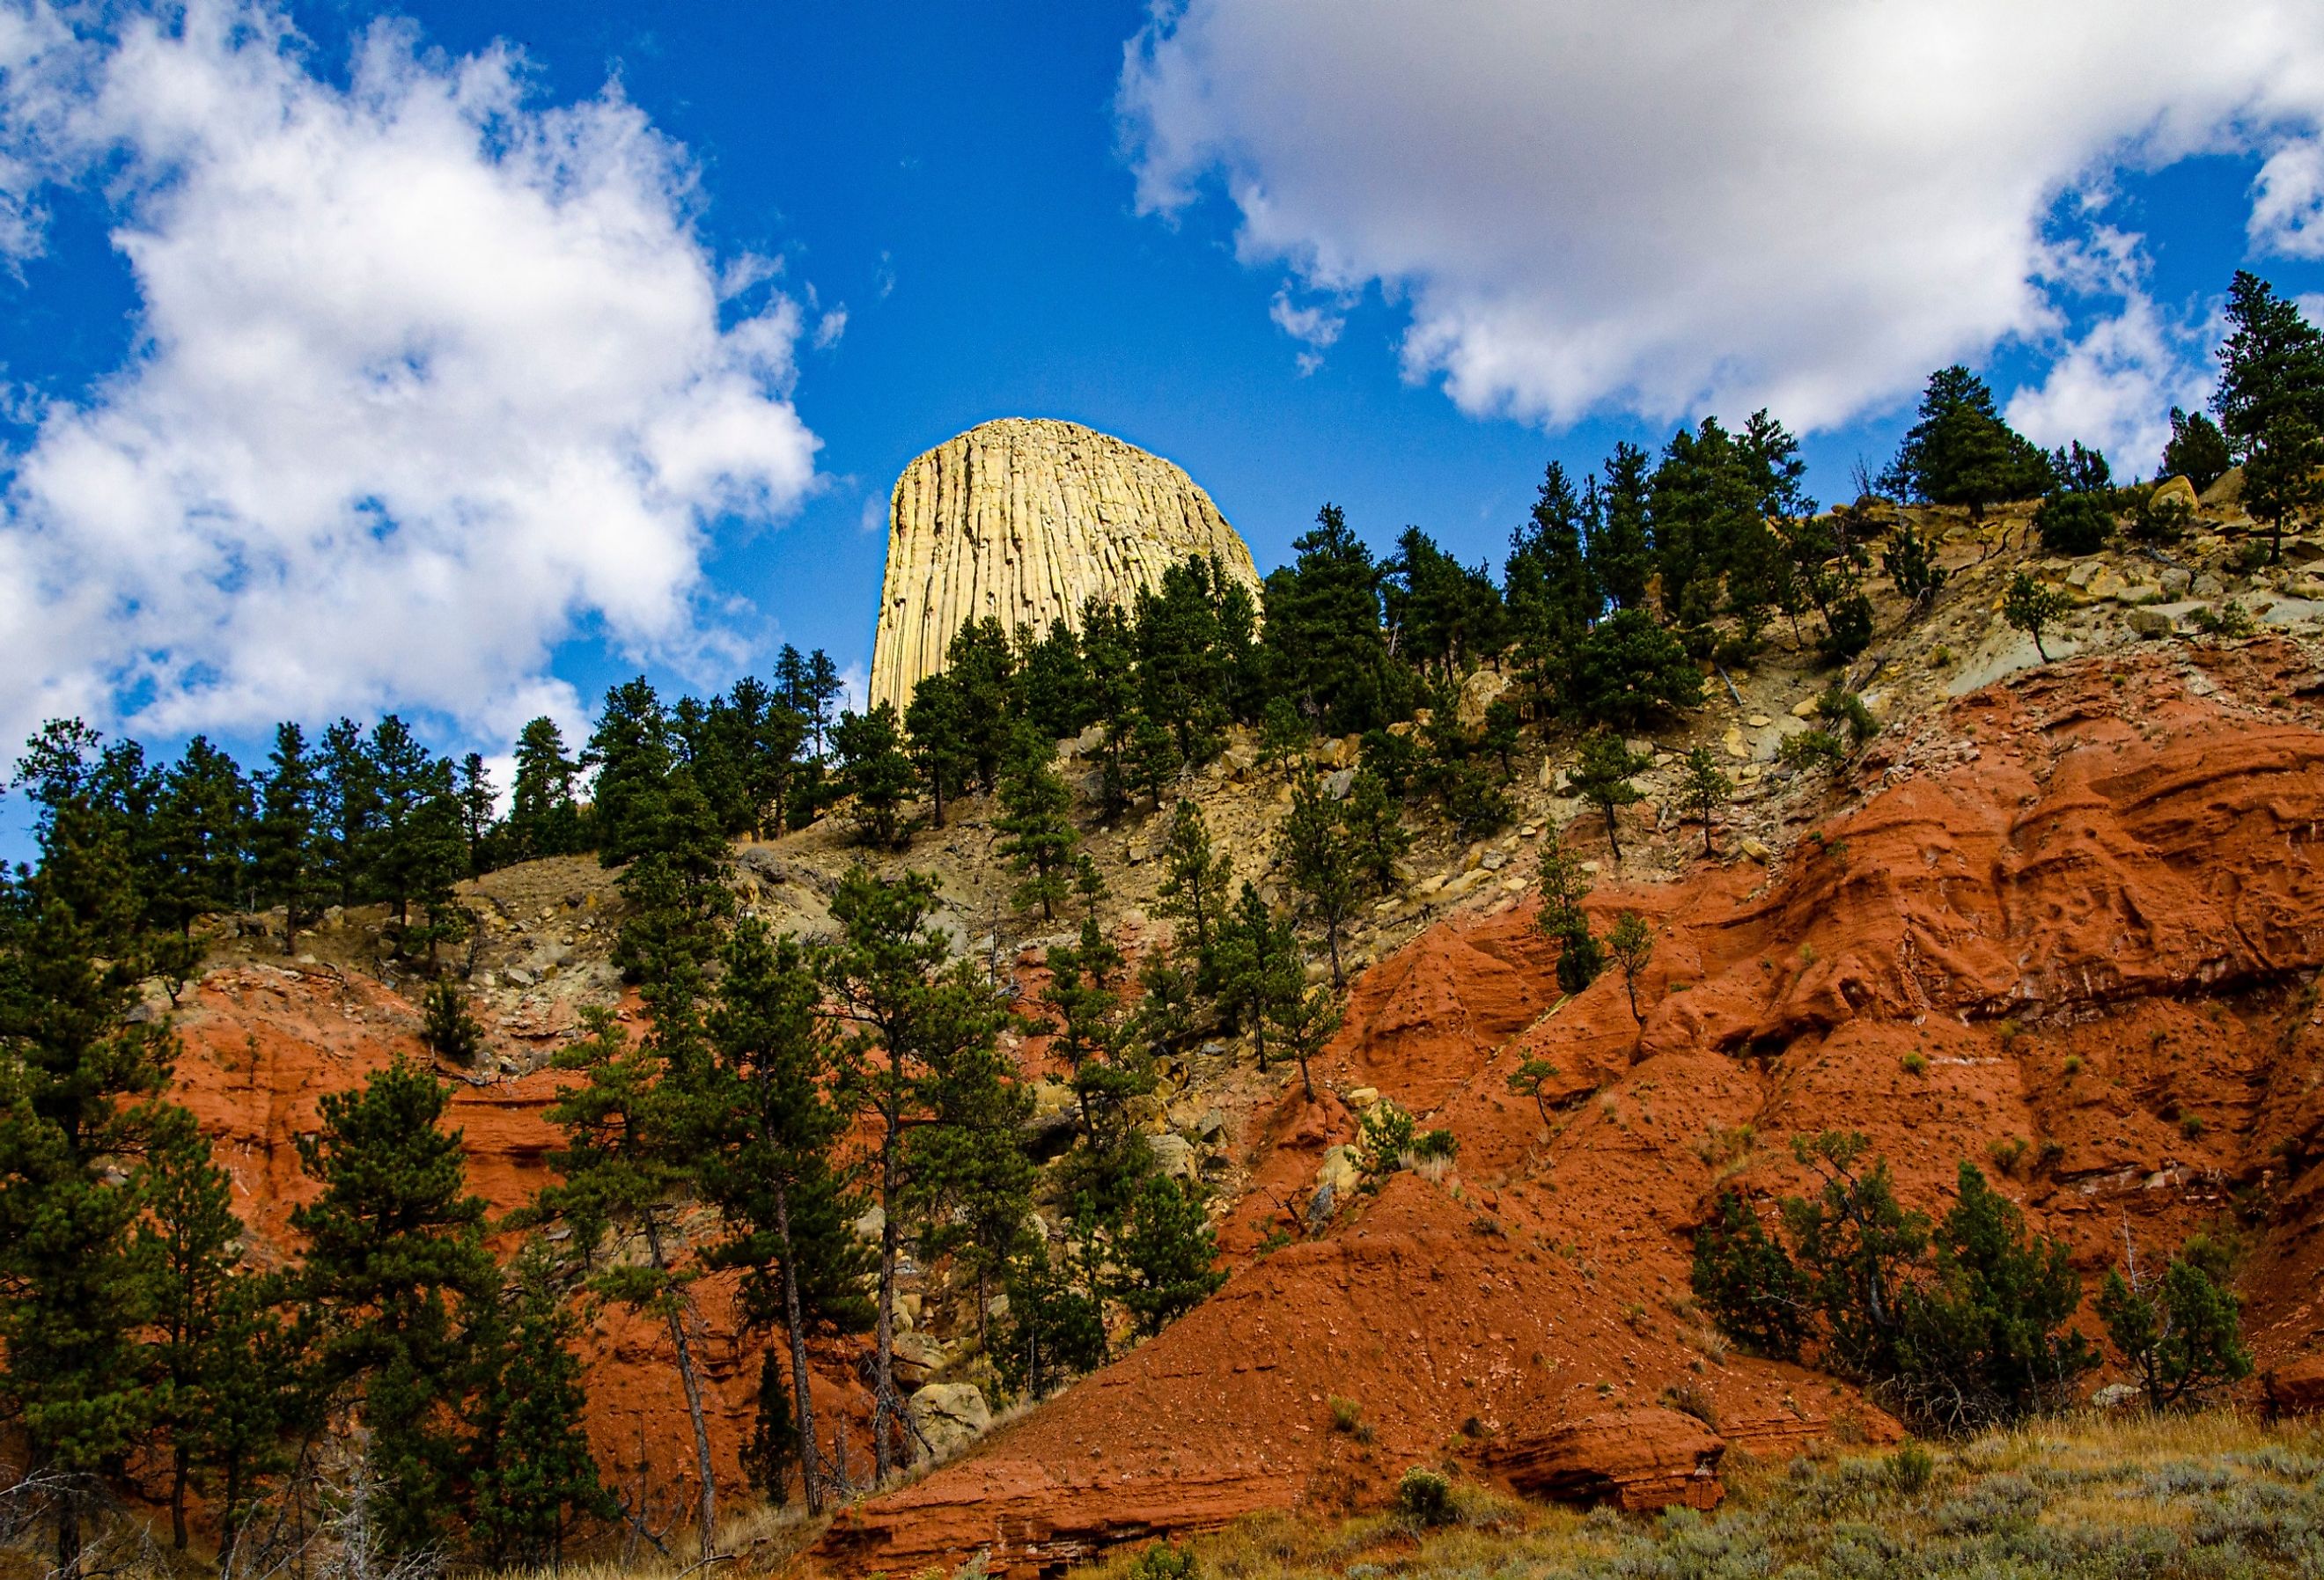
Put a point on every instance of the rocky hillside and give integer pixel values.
(2059, 920)
(1022, 520)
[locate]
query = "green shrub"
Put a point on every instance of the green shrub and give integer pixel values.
(1911, 1468)
(1383, 1136)
(1166, 1561)
(2075, 524)
(1424, 1498)
(1812, 749)
(1915, 1064)
(1431, 1145)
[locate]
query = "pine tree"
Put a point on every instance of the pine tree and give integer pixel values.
(919, 1018)
(1553, 597)
(1108, 1070)
(1323, 635)
(1620, 557)
(421, 850)
(1305, 1019)
(1166, 1251)
(188, 1248)
(204, 825)
(395, 1266)
(473, 788)
(1602, 776)
(2197, 451)
(2271, 365)
(938, 733)
(1038, 836)
(1911, 566)
(1632, 943)
(2031, 607)
(678, 896)
(1704, 791)
(531, 1475)
(73, 1071)
(764, 735)
(984, 665)
(1194, 888)
(2280, 473)
(347, 811)
(1314, 852)
(873, 769)
(769, 1160)
(630, 748)
(544, 817)
(2180, 1334)
(629, 1126)
(1376, 839)
(1258, 965)
(284, 863)
(1628, 670)
(771, 1452)
(447, 1029)
(1580, 957)
(1960, 452)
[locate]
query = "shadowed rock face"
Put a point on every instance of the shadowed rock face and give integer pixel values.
(1021, 520)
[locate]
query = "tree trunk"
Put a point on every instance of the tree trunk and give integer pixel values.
(180, 1457)
(68, 1536)
(1613, 838)
(230, 1518)
(883, 1355)
(802, 1384)
(693, 1386)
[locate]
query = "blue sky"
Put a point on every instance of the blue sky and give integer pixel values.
(293, 426)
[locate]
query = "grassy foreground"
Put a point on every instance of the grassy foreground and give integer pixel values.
(2206, 1497)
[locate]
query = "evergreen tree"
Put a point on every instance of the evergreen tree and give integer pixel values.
(204, 826)
(822, 688)
(1053, 678)
(73, 1070)
(1601, 776)
(347, 812)
(1314, 853)
(1628, 670)
(2270, 367)
(447, 1029)
(420, 850)
(187, 1245)
(2031, 607)
(2077, 516)
(770, 1163)
(764, 735)
(544, 814)
(1748, 1281)
(1038, 837)
(1192, 646)
(1960, 452)
(1305, 1019)
(2197, 451)
(1322, 636)
(982, 664)
(1911, 565)
(919, 1019)
(473, 788)
(1194, 888)
(2180, 1334)
(1620, 555)
(395, 1264)
(284, 865)
(678, 896)
(1376, 837)
(1704, 791)
(1258, 965)
(1553, 597)
(1109, 1072)
(1632, 943)
(630, 749)
(1580, 957)
(874, 770)
(1166, 1253)
(531, 1475)
(629, 1124)
(2280, 473)
(938, 733)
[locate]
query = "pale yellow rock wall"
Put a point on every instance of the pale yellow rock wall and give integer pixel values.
(1025, 518)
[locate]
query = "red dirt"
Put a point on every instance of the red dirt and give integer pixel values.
(2107, 865)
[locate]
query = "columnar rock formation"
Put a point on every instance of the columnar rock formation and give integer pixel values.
(1023, 519)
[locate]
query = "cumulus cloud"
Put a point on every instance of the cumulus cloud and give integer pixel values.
(430, 378)
(1670, 205)
(1315, 326)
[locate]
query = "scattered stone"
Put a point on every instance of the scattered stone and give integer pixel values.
(873, 1223)
(2175, 580)
(1173, 1155)
(1363, 1096)
(2179, 491)
(1338, 1171)
(1339, 785)
(1753, 848)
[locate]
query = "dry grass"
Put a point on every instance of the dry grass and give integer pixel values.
(2083, 1498)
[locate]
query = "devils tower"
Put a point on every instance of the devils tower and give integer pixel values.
(1022, 519)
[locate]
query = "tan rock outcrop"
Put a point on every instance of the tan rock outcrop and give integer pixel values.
(1023, 519)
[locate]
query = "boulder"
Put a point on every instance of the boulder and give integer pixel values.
(951, 1416)
(2297, 1387)
(1025, 519)
(2116, 1396)
(1636, 1458)
(2179, 491)
(1478, 692)
(1173, 1155)
(2226, 492)
(1341, 784)
(1338, 1171)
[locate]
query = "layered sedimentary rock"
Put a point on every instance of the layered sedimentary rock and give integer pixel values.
(1023, 520)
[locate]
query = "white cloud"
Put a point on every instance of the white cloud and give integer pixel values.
(1315, 326)
(430, 379)
(1674, 205)
(2287, 213)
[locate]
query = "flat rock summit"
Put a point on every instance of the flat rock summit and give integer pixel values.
(1021, 520)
